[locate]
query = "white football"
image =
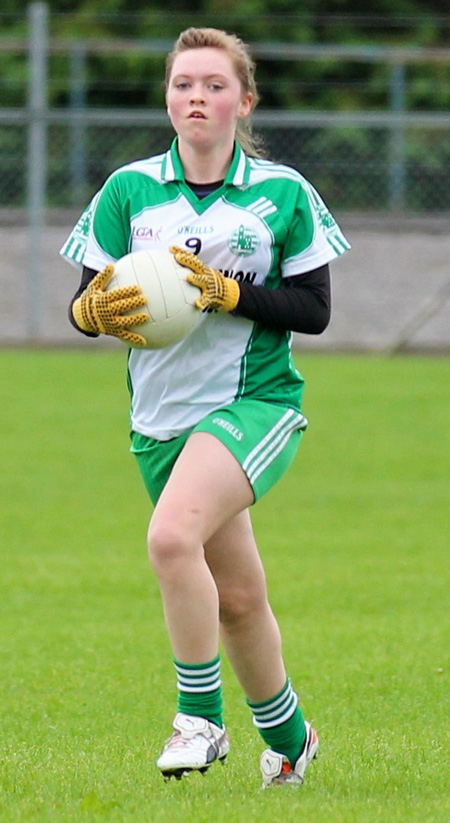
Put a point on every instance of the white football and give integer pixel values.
(170, 298)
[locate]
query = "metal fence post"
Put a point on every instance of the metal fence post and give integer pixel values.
(37, 158)
(397, 166)
(78, 170)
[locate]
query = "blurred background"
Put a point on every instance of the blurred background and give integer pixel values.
(358, 102)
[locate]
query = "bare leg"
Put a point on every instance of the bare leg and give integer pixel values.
(249, 631)
(206, 489)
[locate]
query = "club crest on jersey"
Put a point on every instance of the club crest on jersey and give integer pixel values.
(325, 218)
(84, 223)
(244, 241)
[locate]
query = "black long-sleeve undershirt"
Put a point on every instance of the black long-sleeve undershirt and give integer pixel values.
(301, 304)
(86, 276)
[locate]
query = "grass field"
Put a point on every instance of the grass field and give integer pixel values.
(355, 540)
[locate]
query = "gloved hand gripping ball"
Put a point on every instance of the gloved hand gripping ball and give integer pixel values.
(218, 292)
(105, 312)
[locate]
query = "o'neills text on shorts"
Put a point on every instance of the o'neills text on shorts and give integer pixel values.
(225, 424)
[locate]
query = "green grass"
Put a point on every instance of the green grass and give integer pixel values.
(355, 539)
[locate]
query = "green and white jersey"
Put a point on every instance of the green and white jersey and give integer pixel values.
(266, 222)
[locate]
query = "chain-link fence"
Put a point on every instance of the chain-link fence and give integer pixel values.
(357, 166)
(60, 139)
(386, 158)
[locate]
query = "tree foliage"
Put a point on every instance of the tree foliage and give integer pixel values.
(128, 78)
(352, 165)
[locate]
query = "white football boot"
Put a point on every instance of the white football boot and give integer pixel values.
(276, 769)
(194, 745)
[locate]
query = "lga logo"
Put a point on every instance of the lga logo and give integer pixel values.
(146, 233)
(244, 241)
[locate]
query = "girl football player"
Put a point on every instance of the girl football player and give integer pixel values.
(217, 418)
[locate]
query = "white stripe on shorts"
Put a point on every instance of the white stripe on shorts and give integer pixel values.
(272, 444)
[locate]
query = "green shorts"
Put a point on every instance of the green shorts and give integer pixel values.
(263, 437)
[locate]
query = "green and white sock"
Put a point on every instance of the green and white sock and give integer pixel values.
(280, 723)
(200, 690)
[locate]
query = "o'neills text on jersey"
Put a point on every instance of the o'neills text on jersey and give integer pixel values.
(195, 229)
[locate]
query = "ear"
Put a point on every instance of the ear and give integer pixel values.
(245, 105)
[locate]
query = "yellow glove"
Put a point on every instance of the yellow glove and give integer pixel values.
(104, 312)
(218, 292)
